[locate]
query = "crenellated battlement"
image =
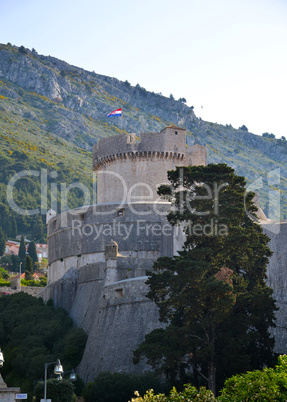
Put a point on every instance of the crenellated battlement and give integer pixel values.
(136, 156)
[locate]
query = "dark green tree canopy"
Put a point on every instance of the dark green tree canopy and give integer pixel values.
(33, 333)
(32, 252)
(212, 296)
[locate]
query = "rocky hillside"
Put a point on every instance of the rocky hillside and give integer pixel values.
(61, 110)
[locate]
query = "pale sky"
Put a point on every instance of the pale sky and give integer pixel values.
(228, 58)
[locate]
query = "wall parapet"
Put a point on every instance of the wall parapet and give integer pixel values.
(136, 155)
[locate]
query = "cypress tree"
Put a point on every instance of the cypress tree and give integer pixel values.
(22, 250)
(33, 252)
(2, 242)
(29, 268)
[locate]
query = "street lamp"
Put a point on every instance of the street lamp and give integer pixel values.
(2, 383)
(58, 370)
(1, 358)
(20, 275)
(73, 376)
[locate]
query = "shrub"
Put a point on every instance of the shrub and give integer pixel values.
(119, 387)
(268, 135)
(57, 391)
(243, 128)
(267, 385)
(22, 50)
(190, 393)
(39, 284)
(4, 283)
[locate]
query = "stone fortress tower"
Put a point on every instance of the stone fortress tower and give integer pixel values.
(99, 254)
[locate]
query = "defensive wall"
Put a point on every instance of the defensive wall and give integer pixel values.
(99, 254)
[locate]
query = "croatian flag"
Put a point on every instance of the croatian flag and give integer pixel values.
(117, 112)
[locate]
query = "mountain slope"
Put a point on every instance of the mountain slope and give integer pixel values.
(51, 114)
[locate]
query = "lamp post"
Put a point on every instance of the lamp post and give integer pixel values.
(20, 275)
(1, 358)
(58, 370)
(2, 383)
(73, 376)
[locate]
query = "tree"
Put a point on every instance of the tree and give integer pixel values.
(183, 100)
(33, 333)
(2, 242)
(15, 261)
(22, 250)
(39, 229)
(57, 391)
(29, 268)
(243, 128)
(283, 138)
(22, 50)
(171, 97)
(212, 296)
(33, 252)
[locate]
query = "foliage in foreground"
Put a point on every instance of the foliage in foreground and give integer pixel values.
(190, 393)
(33, 333)
(267, 385)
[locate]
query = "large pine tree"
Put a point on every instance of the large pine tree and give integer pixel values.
(212, 296)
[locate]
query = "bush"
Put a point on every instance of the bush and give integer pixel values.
(57, 391)
(31, 282)
(268, 135)
(266, 385)
(190, 393)
(4, 283)
(22, 50)
(3, 273)
(119, 387)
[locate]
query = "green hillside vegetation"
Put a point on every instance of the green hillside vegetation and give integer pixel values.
(52, 113)
(24, 146)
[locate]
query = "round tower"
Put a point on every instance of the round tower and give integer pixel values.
(130, 168)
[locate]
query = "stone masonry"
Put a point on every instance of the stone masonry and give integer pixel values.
(99, 254)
